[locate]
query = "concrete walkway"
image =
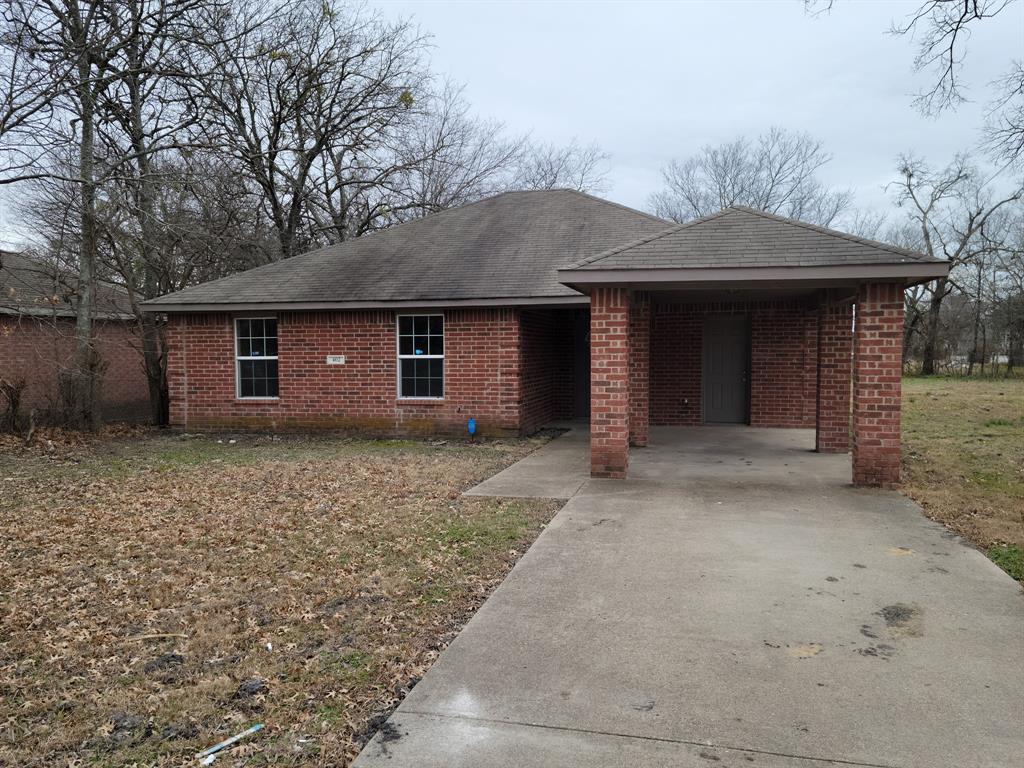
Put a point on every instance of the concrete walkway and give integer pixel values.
(734, 602)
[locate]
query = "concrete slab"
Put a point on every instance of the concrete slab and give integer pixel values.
(556, 471)
(737, 598)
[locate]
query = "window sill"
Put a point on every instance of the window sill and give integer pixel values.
(257, 399)
(422, 400)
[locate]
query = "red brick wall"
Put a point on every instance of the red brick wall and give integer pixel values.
(639, 369)
(482, 374)
(36, 349)
(784, 364)
(609, 388)
(834, 362)
(783, 373)
(548, 385)
(877, 383)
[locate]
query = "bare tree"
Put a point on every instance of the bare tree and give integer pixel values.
(777, 172)
(455, 158)
(957, 214)
(573, 166)
(318, 90)
(57, 57)
(941, 30)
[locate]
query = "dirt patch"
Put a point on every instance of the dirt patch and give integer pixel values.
(165, 592)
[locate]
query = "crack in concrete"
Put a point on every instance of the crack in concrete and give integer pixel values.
(661, 739)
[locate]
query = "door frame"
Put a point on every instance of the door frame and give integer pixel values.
(748, 355)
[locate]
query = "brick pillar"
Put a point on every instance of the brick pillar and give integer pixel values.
(877, 372)
(835, 350)
(609, 382)
(639, 369)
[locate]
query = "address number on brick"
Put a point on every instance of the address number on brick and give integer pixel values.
(335, 359)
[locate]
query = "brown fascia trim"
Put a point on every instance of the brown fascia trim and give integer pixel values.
(848, 274)
(308, 306)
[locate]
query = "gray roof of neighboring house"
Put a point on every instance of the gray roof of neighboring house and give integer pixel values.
(505, 247)
(744, 237)
(36, 288)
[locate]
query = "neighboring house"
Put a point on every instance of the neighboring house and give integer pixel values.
(37, 329)
(530, 307)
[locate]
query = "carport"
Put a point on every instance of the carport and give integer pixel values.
(744, 317)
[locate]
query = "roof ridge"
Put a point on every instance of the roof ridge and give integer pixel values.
(612, 203)
(648, 239)
(916, 255)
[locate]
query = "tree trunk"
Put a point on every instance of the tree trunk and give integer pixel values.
(931, 334)
(80, 385)
(153, 352)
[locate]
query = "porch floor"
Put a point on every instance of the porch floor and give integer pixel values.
(734, 454)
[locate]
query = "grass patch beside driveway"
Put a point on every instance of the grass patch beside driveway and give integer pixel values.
(963, 459)
(163, 592)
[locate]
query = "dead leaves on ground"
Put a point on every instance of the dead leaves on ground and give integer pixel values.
(152, 608)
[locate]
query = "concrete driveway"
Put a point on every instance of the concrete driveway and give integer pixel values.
(734, 603)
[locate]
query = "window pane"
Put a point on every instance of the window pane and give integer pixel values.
(405, 325)
(420, 345)
(405, 345)
(257, 378)
(436, 369)
(437, 345)
(243, 347)
(420, 324)
(271, 378)
(270, 327)
(271, 348)
(256, 347)
(243, 328)
(436, 325)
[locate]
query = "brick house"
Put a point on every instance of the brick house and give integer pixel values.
(531, 307)
(37, 331)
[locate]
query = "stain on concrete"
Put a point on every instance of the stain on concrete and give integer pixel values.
(868, 631)
(859, 565)
(900, 551)
(831, 578)
(709, 756)
(878, 651)
(903, 620)
(644, 706)
(937, 569)
(805, 650)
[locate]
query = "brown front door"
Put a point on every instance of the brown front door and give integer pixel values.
(726, 366)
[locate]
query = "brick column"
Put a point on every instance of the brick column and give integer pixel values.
(609, 382)
(639, 369)
(877, 372)
(835, 350)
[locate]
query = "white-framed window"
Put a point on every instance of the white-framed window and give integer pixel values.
(421, 356)
(256, 357)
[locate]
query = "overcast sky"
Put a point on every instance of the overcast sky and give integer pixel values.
(651, 81)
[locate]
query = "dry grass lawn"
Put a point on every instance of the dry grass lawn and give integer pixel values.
(963, 458)
(160, 593)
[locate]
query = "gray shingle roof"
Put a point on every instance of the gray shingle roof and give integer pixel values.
(507, 246)
(33, 287)
(744, 237)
